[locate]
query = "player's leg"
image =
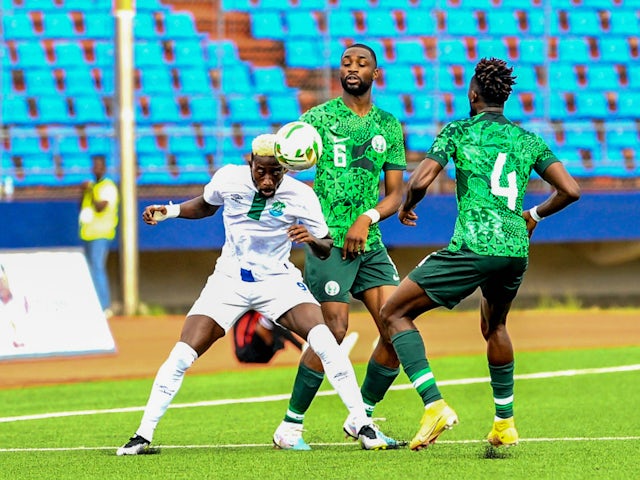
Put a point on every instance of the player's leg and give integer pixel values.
(307, 321)
(498, 293)
(198, 334)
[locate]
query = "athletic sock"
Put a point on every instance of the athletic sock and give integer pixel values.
(339, 371)
(165, 386)
(305, 387)
(502, 385)
(411, 352)
(376, 383)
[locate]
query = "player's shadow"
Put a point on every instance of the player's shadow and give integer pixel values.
(493, 453)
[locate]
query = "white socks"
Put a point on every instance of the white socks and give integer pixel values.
(166, 385)
(339, 372)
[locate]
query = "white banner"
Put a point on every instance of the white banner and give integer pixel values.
(49, 307)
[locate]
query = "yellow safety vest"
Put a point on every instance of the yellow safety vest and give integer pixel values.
(94, 224)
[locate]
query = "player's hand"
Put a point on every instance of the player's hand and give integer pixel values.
(531, 223)
(356, 239)
(148, 214)
(408, 217)
(299, 234)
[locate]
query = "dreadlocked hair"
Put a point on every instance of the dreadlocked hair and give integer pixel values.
(494, 79)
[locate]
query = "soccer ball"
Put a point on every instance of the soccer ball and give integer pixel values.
(298, 145)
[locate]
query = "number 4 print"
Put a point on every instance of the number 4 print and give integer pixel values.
(511, 190)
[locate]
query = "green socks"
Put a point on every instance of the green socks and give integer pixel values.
(502, 384)
(411, 352)
(305, 387)
(376, 383)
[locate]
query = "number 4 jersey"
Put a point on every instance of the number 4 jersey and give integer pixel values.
(493, 159)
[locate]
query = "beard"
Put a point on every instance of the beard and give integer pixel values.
(356, 90)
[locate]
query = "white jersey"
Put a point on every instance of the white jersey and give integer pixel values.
(256, 241)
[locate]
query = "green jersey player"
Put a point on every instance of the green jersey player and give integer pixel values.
(361, 143)
(489, 249)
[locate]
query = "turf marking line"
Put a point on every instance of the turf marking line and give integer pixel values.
(277, 398)
(316, 444)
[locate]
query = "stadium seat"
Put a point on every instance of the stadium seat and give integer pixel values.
(633, 76)
(380, 23)
(536, 22)
(183, 144)
(502, 23)
(614, 49)
(15, 111)
(452, 51)
(526, 78)
(581, 136)
(31, 54)
(304, 54)
(392, 103)
(18, 26)
(99, 26)
(52, 110)
(156, 81)
(194, 81)
(621, 134)
(562, 75)
(244, 109)
(267, 25)
(205, 109)
(409, 51)
(26, 141)
(342, 21)
(628, 104)
(223, 52)
(301, 24)
(624, 21)
(188, 53)
(79, 82)
(399, 79)
(149, 5)
(69, 55)
(39, 82)
(270, 80)
(179, 25)
(164, 110)
(532, 50)
(489, 47)
(58, 25)
(104, 54)
(602, 77)
(148, 54)
(574, 50)
(148, 150)
(90, 110)
(425, 106)
(420, 24)
(584, 22)
(461, 22)
(144, 27)
(236, 79)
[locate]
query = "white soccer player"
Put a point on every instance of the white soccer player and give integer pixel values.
(264, 212)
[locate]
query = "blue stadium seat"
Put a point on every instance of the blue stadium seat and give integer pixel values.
(156, 81)
(602, 77)
(7, 83)
(89, 5)
(99, 144)
(205, 109)
(183, 144)
(18, 27)
(76, 162)
(267, 25)
(489, 47)
(409, 51)
(58, 25)
(69, 55)
(581, 136)
(179, 25)
(526, 79)
(39, 82)
(148, 54)
(557, 105)
(562, 75)
(67, 144)
(99, 26)
(90, 110)
(633, 76)
(342, 21)
(400, 78)
(283, 108)
(270, 80)
(244, 109)
(236, 79)
(536, 22)
(614, 49)
(15, 110)
(461, 22)
(148, 149)
(223, 52)
(380, 23)
(574, 50)
(44, 5)
(584, 22)
(624, 21)
(425, 105)
(452, 51)
(195, 81)
(503, 23)
(31, 54)
(419, 142)
(420, 24)
(104, 54)
(446, 80)
(107, 86)
(628, 104)
(303, 54)
(621, 134)
(26, 141)
(52, 110)
(301, 23)
(164, 110)
(392, 103)
(78, 82)
(144, 27)
(149, 5)
(532, 50)
(188, 53)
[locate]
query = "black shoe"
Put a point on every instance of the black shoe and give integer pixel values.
(135, 446)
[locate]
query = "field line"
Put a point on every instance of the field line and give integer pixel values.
(282, 397)
(156, 449)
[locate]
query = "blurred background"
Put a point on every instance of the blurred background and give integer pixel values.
(209, 75)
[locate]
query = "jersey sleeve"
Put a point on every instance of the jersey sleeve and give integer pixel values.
(443, 147)
(313, 218)
(396, 159)
(213, 190)
(544, 156)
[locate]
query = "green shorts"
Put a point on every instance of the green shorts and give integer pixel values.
(333, 279)
(449, 277)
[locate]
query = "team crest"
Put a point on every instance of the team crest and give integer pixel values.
(332, 288)
(276, 209)
(379, 144)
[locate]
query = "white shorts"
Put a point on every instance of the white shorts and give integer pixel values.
(226, 299)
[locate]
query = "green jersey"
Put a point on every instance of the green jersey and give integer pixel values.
(356, 150)
(493, 159)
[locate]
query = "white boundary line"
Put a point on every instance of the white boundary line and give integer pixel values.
(277, 398)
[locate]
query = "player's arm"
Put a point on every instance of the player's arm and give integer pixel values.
(191, 209)
(566, 191)
(419, 181)
(320, 247)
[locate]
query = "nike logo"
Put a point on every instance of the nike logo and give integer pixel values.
(396, 278)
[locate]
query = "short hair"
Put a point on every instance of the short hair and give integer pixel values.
(494, 78)
(264, 145)
(366, 47)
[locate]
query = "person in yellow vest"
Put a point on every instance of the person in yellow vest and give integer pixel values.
(98, 221)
